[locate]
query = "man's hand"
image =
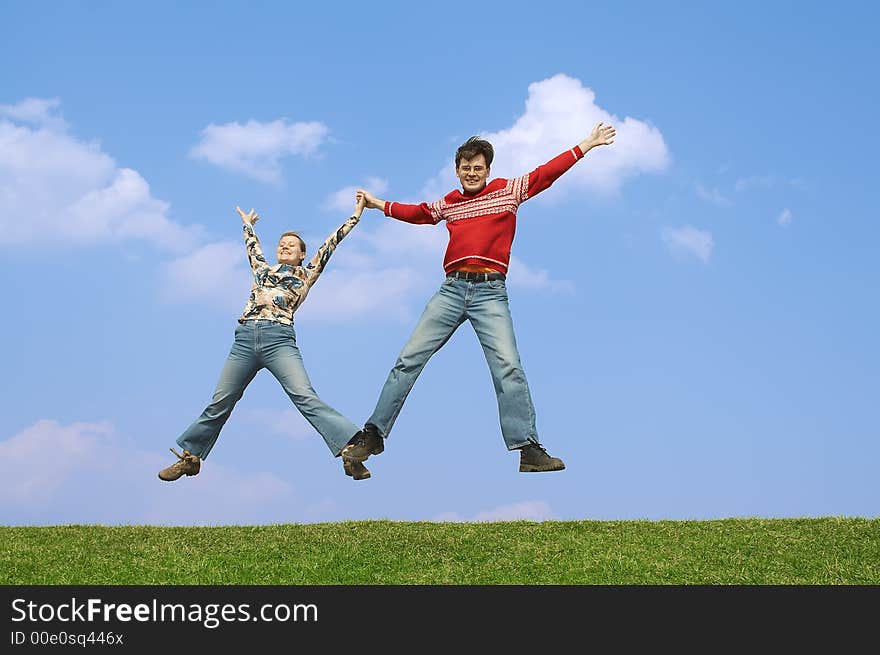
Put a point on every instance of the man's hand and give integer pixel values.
(370, 201)
(602, 135)
(248, 219)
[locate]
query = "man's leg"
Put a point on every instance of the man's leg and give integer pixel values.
(283, 359)
(442, 316)
(489, 313)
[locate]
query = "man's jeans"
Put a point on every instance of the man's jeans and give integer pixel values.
(484, 304)
(272, 345)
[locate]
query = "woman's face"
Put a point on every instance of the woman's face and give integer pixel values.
(290, 251)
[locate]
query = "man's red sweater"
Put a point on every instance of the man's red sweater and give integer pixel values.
(481, 226)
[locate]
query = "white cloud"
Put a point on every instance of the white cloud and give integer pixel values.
(126, 210)
(86, 473)
(531, 510)
(216, 274)
(397, 241)
(343, 200)
(256, 149)
(784, 217)
(57, 189)
(689, 240)
(378, 271)
(712, 195)
(36, 462)
(38, 111)
(520, 275)
(445, 181)
(344, 293)
(560, 112)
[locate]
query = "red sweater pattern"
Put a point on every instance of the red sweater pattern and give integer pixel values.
(481, 226)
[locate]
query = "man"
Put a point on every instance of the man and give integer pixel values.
(481, 219)
(265, 338)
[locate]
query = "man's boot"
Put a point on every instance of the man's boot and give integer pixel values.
(533, 458)
(356, 470)
(365, 443)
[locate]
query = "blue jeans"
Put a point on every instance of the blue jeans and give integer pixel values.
(484, 304)
(272, 345)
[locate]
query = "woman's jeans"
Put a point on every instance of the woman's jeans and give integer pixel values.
(272, 345)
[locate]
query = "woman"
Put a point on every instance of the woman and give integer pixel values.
(265, 338)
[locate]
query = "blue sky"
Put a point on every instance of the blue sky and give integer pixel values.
(696, 306)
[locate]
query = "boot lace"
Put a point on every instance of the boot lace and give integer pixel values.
(185, 457)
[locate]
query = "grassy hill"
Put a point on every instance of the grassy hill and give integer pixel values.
(826, 551)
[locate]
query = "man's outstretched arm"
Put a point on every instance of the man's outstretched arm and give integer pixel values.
(602, 135)
(546, 174)
(419, 214)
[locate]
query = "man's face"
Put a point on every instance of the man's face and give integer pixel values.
(290, 251)
(473, 174)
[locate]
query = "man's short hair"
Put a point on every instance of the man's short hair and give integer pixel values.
(302, 244)
(473, 147)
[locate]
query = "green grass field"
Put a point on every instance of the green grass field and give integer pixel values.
(824, 551)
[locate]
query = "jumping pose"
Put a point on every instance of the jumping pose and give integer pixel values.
(265, 338)
(481, 219)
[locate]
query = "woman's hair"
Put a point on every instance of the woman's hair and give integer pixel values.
(302, 244)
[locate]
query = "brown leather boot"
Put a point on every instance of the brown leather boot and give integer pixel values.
(356, 470)
(365, 443)
(186, 464)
